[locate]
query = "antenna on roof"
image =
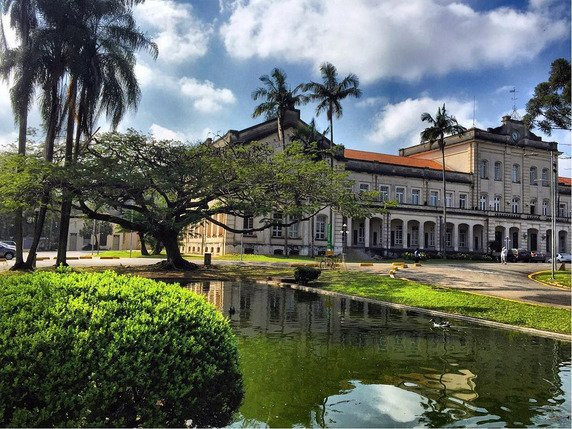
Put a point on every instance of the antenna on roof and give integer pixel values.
(514, 114)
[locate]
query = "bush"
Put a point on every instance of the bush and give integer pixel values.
(110, 350)
(305, 275)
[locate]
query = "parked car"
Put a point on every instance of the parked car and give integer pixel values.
(8, 242)
(537, 256)
(7, 251)
(564, 257)
(518, 255)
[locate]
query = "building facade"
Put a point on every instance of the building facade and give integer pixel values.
(498, 189)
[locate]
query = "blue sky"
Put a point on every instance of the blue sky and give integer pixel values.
(409, 55)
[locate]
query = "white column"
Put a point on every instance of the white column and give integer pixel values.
(366, 223)
(455, 237)
(349, 234)
(421, 238)
(470, 238)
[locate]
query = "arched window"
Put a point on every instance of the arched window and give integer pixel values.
(545, 209)
(498, 170)
(483, 202)
(514, 204)
(533, 206)
(533, 175)
(483, 166)
(545, 177)
(497, 203)
(516, 173)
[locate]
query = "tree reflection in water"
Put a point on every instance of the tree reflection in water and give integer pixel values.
(315, 360)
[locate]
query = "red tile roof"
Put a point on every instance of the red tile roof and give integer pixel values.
(382, 158)
(565, 181)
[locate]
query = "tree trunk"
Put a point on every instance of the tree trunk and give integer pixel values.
(19, 215)
(174, 259)
(158, 247)
(331, 223)
(49, 157)
(144, 251)
(67, 197)
(444, 228)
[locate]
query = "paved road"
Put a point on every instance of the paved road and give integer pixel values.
(505, 281)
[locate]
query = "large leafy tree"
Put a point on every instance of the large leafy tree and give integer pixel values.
(169, 185)
(549, 108)
(440, 126)
(329, 95)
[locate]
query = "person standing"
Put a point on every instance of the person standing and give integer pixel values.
(416, 255)
(503, 255)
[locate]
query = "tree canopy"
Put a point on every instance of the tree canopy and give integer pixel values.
(171, 185)
(549, 108)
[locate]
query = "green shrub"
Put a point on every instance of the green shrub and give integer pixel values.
(305, 275)
(110, 350)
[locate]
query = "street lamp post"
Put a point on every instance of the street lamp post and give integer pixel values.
(344, 243)
(131, 237)
(553, 194)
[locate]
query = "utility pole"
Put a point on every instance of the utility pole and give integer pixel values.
(553, 194)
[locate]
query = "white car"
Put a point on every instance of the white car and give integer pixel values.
(6, 251)
(564, 257)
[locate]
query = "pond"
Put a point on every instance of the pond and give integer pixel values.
(321, 361)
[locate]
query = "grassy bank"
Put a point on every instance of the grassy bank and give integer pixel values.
(562, 278)
(448, 300)
(125, 254)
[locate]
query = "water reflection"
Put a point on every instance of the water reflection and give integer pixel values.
(314, 360)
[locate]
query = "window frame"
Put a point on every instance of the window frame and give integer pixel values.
(415, 192)
(498, 177)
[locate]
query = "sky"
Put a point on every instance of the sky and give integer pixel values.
(410, 56)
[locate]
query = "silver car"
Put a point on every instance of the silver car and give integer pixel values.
(564, 257)
(7, 251)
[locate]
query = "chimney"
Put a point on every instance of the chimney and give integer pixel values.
(506, 119)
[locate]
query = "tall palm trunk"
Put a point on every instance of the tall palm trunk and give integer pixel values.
(67, 197)
(52, 126)
(282, 138)
(19, 215)
(331, 217)
(444, 226)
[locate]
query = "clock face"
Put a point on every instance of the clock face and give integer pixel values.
(515, 135)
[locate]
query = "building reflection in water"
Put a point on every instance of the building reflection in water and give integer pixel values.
(302, 350)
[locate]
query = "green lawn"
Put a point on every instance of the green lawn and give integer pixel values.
(416, 294)
(562, 278)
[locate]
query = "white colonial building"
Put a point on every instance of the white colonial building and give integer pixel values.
(498, 189)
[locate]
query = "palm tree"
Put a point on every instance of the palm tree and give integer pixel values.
(23, 19)
(278, 98)
(103, 39)
(329, 95)
(442, 125)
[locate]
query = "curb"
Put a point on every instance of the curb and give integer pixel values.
(531, 277)
(530, 331)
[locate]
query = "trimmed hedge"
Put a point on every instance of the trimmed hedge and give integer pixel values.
(305, 275)
(111, 350)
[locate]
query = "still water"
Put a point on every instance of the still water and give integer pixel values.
(313, 360)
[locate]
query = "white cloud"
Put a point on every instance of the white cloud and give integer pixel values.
(388, 39)
(503, 89)
(371, 101)
(399, 125)
(179, 35)
(162, 133)
(206, 98)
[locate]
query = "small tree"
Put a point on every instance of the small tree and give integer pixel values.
(549, 108)
(170, 185)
